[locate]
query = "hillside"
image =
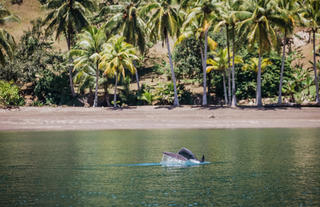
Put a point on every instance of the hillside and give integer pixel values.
(27, 11)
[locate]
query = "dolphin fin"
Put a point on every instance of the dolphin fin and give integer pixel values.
(202, 159)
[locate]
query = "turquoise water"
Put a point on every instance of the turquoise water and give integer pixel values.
(248, 167)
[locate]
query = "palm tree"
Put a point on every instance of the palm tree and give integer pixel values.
(221, 63)
(253, 64)
(195, 29)
(126, 21)
(68, 18)
(87, 51)
(311, 12)
(228, 17)
(164, 22)
(117, 55)
(7, 42)
(84, 78)
(202, 11)
(259, 17)
(288, 13)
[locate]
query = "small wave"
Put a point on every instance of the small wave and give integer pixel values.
(134, 165)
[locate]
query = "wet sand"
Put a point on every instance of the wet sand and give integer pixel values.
(153, 117)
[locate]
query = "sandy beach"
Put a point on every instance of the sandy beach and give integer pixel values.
(153, 117)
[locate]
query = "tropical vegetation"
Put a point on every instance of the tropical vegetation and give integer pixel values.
(217, 52)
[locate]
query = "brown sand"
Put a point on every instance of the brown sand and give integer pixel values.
(149, 117)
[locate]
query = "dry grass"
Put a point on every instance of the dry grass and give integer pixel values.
(29, 10)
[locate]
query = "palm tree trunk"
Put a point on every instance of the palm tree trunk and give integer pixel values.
(315, 67)
(258, 96)
(209, 86)
(229, 69)
(224, 87)
(282, 67)
(204, 68)
(137, 78)
(70, 67)
(115, 92)
(234, 98)
(176, 101)
(95, 102)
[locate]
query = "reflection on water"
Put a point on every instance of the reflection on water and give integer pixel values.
(248, 167)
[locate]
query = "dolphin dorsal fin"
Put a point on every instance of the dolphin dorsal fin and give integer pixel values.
(202, 159)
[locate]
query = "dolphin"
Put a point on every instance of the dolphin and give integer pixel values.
(183, 156)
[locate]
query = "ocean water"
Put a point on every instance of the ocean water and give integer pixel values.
(246, 167)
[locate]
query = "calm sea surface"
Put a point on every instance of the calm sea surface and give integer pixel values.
(248, 167)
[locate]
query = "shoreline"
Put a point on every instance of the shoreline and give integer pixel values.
(156, 117)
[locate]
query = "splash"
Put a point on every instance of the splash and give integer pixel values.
(163, 164)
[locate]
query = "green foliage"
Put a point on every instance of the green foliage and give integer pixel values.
(53, 89)
(126, 95)
(33, 55)
(67, 17)
(246, 79)
(187, 59)
(87, 53)
(36, 62)
(124, 18)
(148, 97)
(163, 94)
(7, 42)
(9, 94)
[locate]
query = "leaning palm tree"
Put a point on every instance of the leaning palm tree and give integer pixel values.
(221, 63)
(7, 42)
(257, 25)
(126, 21)
(87, 51)
(163, 22)
(204, 12)
(116, 57)
(68, 18)
(288, 14)
(311, 12)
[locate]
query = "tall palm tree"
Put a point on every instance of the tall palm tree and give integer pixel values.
(68, 18)
(87, 51)
(221, 63)
(116, 57)
(311, 12)
(126, 21)
(228, 16)
(164, 22)
(288, 13)
(257, 25)
(7, 42)
(202, 11)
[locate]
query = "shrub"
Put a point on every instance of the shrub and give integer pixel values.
(33, 55)
(126, 96)
(9, 94)
(187, 59)
(246, 80)
(53, 89)
(163, 94)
